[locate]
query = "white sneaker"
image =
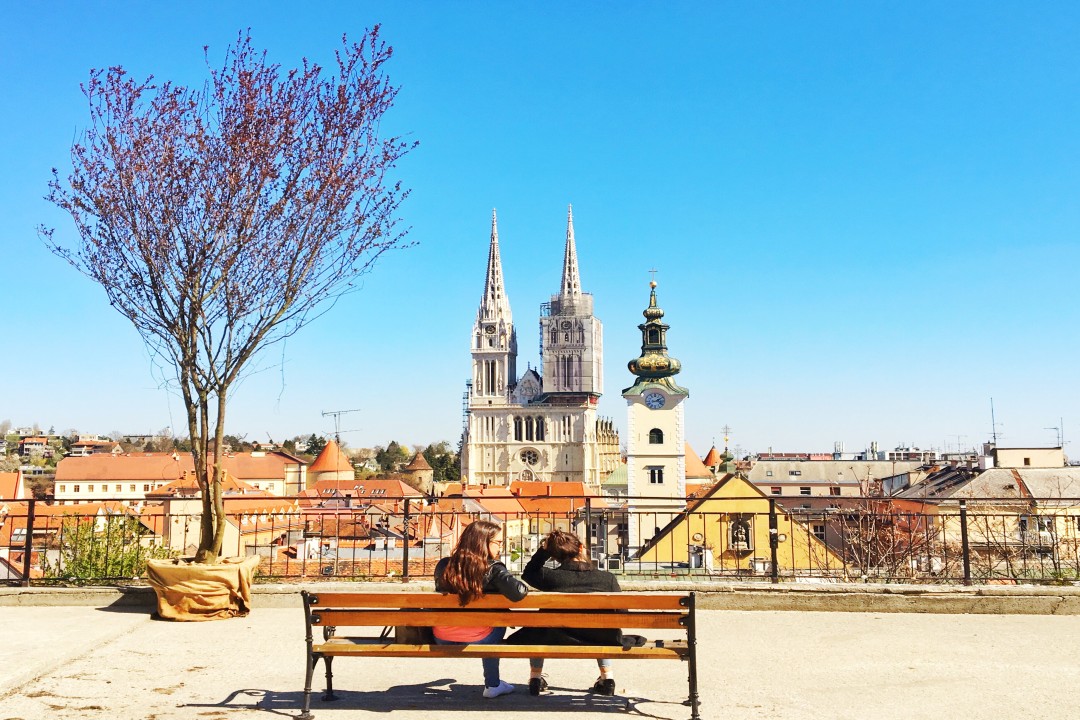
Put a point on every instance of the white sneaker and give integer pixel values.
(502, 688)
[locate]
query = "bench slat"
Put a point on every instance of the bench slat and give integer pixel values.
(534, 600)
(495, 618)
(376, 647)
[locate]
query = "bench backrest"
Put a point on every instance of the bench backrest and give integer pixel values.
(572, 610)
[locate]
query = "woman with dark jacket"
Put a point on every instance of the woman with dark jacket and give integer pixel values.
(472, 570)
(574, 574)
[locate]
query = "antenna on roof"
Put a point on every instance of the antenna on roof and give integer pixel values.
(337, 421)
(993, 423)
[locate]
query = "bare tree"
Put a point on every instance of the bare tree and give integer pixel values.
(222, 219)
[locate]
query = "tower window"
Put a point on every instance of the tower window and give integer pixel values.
(654, 337)
(540, 428)
(517, 429)
(656, 436)
(656, 475)
(528, 428)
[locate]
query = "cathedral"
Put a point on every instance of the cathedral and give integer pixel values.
(542, 426)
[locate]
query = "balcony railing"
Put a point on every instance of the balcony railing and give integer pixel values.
(752, 538)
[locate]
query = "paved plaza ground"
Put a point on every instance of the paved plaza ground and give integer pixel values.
(118, 663)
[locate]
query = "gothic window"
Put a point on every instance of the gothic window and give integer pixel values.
(656, 436)
(540, 428)
(530, 457)
(554, 336)
(656, 475)
(566, 337)
(517, 429)
(528, 428)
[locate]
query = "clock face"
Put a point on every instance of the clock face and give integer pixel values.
(490, 329)
(655, 400)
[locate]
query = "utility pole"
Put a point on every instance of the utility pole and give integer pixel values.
(337, 421)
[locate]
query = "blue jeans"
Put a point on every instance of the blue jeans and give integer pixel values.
(491, 665)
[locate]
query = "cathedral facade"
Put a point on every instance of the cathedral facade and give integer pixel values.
(543, 425)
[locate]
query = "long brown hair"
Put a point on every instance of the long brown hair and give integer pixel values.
(467, 569)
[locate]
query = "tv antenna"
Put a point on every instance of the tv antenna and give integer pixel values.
(337, 421)
(1057, 430)
(993, 423)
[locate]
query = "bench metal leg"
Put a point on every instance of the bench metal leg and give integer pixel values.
(329, 695)
(309, 671)
(691, 638)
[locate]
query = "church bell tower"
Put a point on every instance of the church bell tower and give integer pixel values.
(656, 442)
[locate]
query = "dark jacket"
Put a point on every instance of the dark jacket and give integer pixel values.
(570, 577)
(498, 581)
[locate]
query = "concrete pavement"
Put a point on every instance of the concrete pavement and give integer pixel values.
(102, 662)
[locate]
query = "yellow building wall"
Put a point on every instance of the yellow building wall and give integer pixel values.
(738, 501)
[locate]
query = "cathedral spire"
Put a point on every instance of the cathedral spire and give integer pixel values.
(494, 305)
(571, 279)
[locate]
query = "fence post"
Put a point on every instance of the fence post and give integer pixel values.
(405, 543)
(964, 542)
(774, 541)
(588, 526)
(28, 544)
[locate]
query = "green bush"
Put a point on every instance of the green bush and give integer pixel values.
(96, 548)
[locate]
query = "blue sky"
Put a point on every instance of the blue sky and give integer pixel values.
(864, 216)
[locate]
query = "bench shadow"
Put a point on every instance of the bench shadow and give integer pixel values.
(445, 695)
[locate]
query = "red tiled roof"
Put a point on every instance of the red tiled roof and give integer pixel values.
(155, 467)
(556, 497)
(187, 485)
(418, 463)
(712, 459)
(331, 459)
(497, 500)
(9, 485)
(695, 469)
(391, 489)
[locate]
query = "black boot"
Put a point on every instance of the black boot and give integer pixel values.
(603, 686)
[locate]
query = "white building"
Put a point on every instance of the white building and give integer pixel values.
(656, 429)
(539, 426)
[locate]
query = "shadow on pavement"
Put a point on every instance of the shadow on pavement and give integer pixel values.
(444, 695)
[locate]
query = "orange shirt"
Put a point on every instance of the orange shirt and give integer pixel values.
(461, 634)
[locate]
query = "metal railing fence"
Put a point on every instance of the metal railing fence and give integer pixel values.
(751, 538)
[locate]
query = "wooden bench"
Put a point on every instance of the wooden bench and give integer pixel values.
(630, 611)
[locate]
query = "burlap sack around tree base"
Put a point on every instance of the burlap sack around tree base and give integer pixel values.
(190, 591)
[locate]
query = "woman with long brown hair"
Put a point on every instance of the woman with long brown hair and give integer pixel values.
(574, 573)
(472, 570)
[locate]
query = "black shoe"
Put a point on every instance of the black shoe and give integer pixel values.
(603, 687)
(633, 641)
(536, 685)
